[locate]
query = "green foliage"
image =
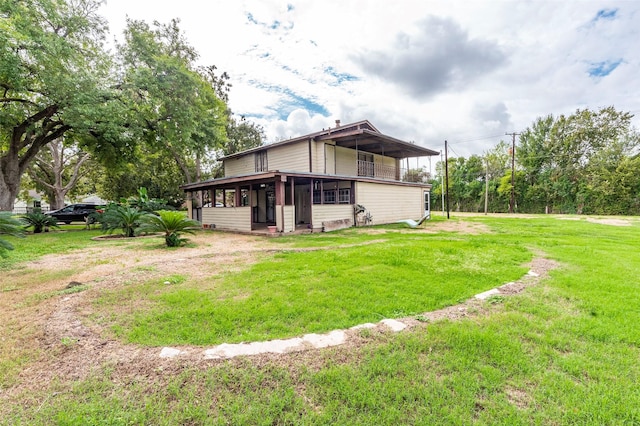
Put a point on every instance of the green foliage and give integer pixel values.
(180, 112)
(172, 224)
(8, 226)
(56, 80)
(123, 218)
(39, 221)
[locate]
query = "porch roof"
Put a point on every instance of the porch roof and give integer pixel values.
(257, 178)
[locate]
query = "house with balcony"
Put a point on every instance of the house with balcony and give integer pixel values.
(344, 176)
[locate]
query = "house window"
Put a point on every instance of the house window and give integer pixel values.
(330, 196)
(317, 198)
(344, 196)
(261, 161)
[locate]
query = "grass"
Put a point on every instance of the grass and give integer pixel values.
(563, 352)
(295, 293)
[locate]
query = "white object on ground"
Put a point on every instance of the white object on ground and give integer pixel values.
(394, 325)
(361, 326)
(229, 350)
(533, 274)
(487, 294)
(334, 338)
(169, 352)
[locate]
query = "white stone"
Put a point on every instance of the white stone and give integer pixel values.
(361, 326)
(229, 350)
(533, 274)
(394, 325)
(336, 337)
(487, 294)
(169, 352)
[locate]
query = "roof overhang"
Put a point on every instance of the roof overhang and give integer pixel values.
(377, 143)
(258, 178)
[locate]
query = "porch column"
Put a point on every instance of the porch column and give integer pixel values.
(189, 202)
(280, 197)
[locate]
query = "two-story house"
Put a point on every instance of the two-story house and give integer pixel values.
(316, 182)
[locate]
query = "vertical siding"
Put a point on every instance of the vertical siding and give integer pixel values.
(346, 161)
(228, 218)
(294, 157)
(240, 166)
(390, 203)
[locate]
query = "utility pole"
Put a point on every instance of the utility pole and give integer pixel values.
(513, 169)
(442, 183)
(486, 187)
(446, 174)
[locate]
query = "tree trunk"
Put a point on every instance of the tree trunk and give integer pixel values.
(9, 185)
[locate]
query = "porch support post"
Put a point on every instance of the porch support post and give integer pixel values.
(238, 198)
(280, 187)
(189, 202)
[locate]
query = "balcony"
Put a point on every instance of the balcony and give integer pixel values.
(383, 171)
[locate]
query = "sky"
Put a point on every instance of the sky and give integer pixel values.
(421, 71)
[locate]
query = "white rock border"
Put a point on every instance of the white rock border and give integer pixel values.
(308, 341)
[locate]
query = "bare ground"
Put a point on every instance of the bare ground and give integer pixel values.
(62, 345)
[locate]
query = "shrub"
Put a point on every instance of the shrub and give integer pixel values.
(172, 224)
(127, 219)
(39, 221)
(9, 226)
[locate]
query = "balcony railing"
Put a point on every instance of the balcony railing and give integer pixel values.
(377, 170)
(383, 171)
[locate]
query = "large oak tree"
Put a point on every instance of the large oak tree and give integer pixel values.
(55, 79)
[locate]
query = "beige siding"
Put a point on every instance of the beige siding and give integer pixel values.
(326, 212)
(318, 156)
(346, 163)
(294, 157)
(228, 218)
(239, 166)
(289, 218)
(390, 203)
(329, 159)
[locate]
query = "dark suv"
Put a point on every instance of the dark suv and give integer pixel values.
(74, 213)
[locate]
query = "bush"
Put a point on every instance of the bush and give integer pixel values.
(172, 224)
(39, 221)
(9, 226)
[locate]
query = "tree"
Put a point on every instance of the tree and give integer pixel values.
(57, 170)
(564, 158)
(178, 108)
(54, 80)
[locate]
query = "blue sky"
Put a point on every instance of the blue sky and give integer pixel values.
(421, 71)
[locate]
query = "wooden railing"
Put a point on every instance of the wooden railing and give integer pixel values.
(381, 171)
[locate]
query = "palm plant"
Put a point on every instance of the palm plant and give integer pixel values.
(127, 219)
(8, 226)
(172, 224)
(39, 221)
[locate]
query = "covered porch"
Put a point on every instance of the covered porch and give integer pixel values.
(273, 202)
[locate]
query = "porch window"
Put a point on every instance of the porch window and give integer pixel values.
(330, 196)
(261, 161)
(344, 196)
(317, 197)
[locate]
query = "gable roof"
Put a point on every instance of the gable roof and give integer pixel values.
(359, 135)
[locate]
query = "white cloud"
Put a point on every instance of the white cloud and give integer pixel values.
(419, 71)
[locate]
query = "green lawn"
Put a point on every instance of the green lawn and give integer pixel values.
(566, 351)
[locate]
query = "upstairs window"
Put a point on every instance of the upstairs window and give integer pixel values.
(261, 161)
